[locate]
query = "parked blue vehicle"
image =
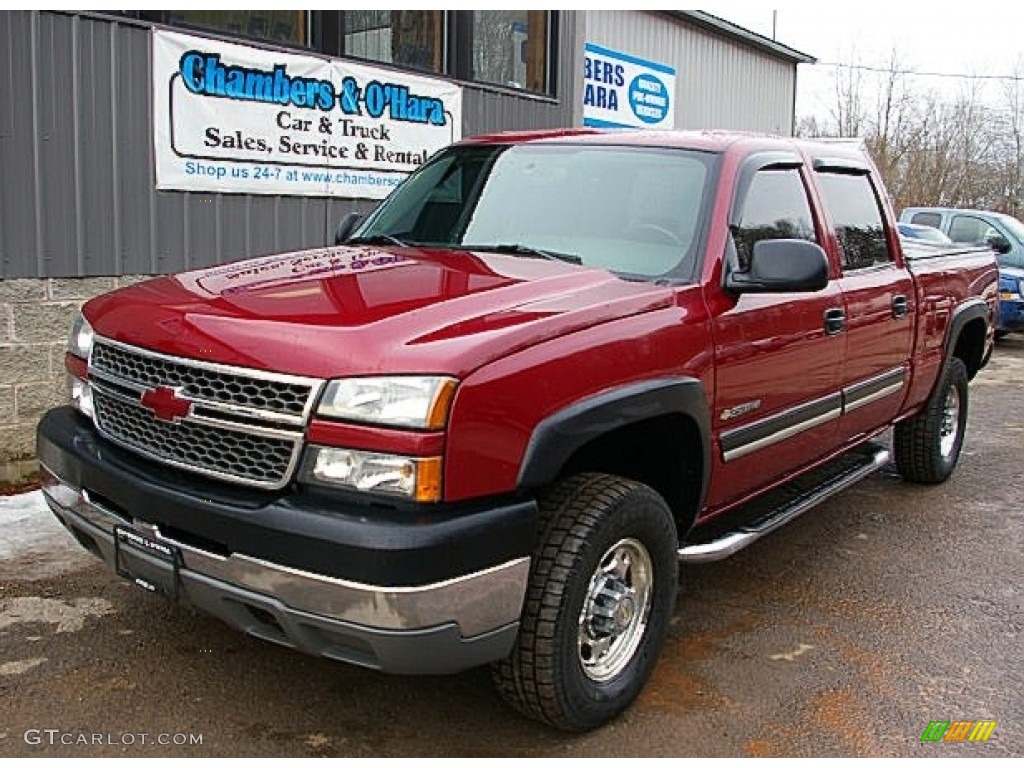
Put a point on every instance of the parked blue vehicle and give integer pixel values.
(1003, 233)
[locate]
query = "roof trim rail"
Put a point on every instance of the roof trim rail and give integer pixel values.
(743, 35)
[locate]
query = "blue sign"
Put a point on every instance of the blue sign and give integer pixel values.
(621, 90)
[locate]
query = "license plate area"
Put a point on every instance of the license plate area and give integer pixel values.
(146, 562)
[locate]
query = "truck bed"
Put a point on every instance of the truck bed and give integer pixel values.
(942, 276)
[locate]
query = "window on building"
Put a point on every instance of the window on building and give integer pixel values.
(291, 27)
(510, 48)
(857, 216)
(408, 38)
(775, 208)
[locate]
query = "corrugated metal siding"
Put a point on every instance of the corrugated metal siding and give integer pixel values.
(720, 83)
(77, 188)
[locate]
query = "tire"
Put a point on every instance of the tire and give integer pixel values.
(584, 652)
(927, 447)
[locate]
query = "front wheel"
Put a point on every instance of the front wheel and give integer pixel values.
(928, 445)
(602, 589)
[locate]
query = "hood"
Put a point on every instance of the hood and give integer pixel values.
(359, 310)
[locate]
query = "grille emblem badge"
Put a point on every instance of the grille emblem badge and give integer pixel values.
(165, 403)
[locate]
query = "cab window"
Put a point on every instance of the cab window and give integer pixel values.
(927, 219)
(776, 208)
(858, 219)
(970, 229)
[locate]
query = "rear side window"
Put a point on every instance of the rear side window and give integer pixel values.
(857, 215)
(776, 208)
(928, 219)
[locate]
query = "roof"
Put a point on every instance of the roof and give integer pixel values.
(708, 141)
(948, 209)
(743, 35)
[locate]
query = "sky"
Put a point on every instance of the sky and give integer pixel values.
(979, 39)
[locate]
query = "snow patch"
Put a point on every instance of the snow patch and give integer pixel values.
(20, 667)
(792, 655)
(33, 544)
(68, 615)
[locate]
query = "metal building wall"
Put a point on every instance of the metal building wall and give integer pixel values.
(77, 188)
(720, 83)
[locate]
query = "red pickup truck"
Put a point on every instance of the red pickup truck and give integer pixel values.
(489, 425)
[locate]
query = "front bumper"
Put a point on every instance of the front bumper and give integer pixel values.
(433, 627)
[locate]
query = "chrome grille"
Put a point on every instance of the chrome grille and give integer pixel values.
(243, 426)
(203, 383)
(255, 459)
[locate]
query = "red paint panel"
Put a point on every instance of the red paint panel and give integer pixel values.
(348, 311)
(367, 438)
(497, 408)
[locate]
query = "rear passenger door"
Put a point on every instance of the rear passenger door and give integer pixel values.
(878, 294)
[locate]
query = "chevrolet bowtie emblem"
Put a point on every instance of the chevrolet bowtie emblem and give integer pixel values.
(165, 403)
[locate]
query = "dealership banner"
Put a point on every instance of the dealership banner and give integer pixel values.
(233, 118)
(625, 91)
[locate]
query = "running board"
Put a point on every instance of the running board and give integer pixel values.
(731, 542)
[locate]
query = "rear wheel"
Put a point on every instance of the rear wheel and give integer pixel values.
(928, 445)
(602, 589)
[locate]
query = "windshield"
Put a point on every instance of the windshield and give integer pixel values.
(633, 210)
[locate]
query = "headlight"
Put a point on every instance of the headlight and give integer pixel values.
(412, 477)
(420, 402)
(80, 341)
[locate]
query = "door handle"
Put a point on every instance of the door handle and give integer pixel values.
(835, 321)
(900, 306)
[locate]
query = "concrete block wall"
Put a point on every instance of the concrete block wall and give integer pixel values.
(35, 319)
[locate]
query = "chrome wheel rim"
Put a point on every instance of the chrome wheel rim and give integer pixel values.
(615, 610)
(950, 428)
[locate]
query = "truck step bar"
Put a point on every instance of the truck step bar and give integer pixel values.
(785, 504)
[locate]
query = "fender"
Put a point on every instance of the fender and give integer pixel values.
(973, 309)
(557, 437)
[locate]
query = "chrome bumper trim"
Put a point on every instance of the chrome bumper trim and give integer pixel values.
(477, 602)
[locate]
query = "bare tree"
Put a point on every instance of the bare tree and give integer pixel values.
(1013, 131)
(849, 112)
(932, 148)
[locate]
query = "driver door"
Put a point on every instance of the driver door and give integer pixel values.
(778, 358)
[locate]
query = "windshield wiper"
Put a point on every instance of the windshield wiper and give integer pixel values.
(526, 250)
(380, 239)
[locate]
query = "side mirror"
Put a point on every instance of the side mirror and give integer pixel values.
(999, 244)
(782, 266)
(347, 226)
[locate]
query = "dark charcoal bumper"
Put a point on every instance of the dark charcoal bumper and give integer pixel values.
(246, 558)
